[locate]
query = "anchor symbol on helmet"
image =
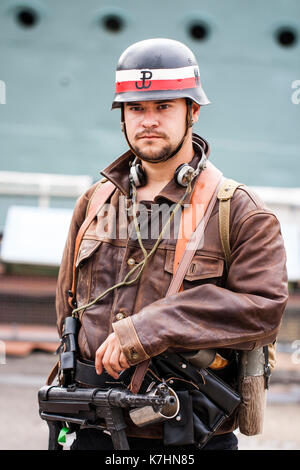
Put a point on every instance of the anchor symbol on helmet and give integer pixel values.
(146, 75)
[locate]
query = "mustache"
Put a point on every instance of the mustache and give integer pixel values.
(142, 134)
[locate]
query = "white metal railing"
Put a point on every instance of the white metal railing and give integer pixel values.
(278, 196)
(43, 185)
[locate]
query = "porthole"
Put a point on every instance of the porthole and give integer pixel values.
(286, 37)
(113, 23)
(27, 17)
(199, 31)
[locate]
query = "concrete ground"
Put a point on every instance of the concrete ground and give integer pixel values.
(22, 429)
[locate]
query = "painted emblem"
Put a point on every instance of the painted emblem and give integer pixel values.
(146, 75)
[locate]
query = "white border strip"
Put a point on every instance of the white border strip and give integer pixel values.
(157, 74)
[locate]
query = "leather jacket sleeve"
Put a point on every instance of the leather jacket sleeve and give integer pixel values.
(64, 281)
(244, 314)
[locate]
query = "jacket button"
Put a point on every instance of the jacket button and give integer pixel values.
(120, 316)
(131, 262)
(134, 355)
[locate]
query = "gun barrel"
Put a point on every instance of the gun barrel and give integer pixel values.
(128, 400)
(114, 396)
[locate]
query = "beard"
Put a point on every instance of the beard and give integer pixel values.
(154, 157)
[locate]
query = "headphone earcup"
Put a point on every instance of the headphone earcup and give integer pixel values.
(181, 173)
(138, 175)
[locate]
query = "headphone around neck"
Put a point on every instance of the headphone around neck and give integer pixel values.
(182, 176)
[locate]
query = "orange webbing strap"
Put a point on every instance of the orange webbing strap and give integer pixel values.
(204, 193)
(98, 199)
(204, 190)
(204, 196)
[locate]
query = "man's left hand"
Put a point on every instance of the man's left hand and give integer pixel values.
(110, 357)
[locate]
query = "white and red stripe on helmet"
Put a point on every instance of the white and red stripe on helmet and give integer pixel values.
(157, 79)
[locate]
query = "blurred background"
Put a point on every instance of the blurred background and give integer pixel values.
(57, 74)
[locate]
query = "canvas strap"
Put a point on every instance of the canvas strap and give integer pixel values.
(225, 194)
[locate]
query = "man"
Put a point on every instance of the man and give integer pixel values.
(159, 93)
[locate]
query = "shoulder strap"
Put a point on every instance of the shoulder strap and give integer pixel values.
(225, 193)
(191, 227)
(99, 197)
(185, 251)
(94, 199)
(186, 247)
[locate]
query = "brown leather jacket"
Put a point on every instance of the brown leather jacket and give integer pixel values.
(240, 311)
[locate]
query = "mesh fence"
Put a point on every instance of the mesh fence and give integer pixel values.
(27, 309)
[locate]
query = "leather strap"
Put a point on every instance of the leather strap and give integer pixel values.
(96, 202)
(138, 376)
(53, 374)
(85, 373)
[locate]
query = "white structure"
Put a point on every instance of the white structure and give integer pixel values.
(36, 235)
(285, 203)
(43, 185)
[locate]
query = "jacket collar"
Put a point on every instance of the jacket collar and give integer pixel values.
(118, 173)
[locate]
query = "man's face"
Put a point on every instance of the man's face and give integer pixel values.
(155, 128)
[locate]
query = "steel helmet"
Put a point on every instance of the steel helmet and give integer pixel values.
(157, 69)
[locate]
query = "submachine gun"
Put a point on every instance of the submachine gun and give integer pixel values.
(74, 407)
(98, 409)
